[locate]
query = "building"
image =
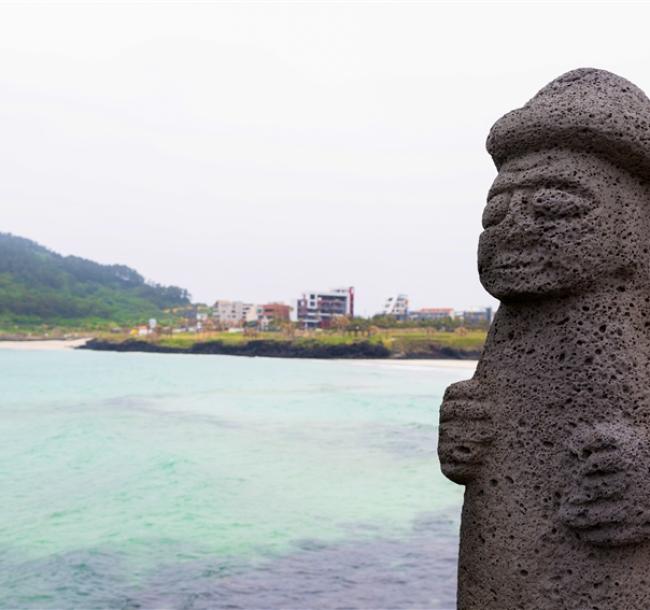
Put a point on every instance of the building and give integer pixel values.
(252, 314)
(201, 320)
(141, 331)
(272, 314)
(475, 317)
(317, 309)
(432, 313)
(231, 313)
(276, 311)
(396, 306)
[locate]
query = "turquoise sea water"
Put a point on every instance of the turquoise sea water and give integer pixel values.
(176, 481)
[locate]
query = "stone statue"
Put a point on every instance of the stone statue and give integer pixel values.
(551, 437)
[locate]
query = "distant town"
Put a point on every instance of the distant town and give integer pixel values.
(315, 310)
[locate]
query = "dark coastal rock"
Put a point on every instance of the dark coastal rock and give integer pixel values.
(439, 352)
(288, 349)
(130, 345)
(551, 435)
(269, 349)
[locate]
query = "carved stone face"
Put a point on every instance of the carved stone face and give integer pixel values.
(559, 222)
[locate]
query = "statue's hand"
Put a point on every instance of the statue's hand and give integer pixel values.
(465, 432)
(607, 501)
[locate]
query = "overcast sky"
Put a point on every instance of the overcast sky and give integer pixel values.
(254, 151)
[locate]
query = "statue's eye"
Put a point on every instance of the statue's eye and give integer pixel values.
(496, 209)
(559, 203)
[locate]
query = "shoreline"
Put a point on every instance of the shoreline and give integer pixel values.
(43, 344)
(392, 362)
(360, 350)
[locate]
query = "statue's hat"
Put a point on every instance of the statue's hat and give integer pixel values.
(585, 109)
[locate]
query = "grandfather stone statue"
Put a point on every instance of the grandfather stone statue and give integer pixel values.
(551, 437)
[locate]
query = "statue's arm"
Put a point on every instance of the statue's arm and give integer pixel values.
(606, 499)
(465, 431)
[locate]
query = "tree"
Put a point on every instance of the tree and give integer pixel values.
(340, 323)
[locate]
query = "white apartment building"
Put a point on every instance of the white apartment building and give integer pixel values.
(316, 309)
(252, 313)
(397, 306)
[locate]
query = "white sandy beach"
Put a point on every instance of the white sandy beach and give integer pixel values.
(54, 344)
(59, 344)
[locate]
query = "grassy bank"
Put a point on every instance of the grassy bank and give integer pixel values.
(398, 343)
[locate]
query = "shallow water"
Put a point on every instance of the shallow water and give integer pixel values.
(176, 481)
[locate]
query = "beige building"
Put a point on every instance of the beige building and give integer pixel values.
(230, 313)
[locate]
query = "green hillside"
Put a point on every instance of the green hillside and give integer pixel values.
(38, 286)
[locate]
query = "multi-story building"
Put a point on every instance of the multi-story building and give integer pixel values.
(276, 311)
(230, 313)
(473, 317)
(271, 314)
(432, 313)
(397, 306)
(317, 309)
(251, 313)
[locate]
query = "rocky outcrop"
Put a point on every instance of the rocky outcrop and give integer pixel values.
(269, 349)
(287, 349)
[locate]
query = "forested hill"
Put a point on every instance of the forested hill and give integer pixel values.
(38, 286)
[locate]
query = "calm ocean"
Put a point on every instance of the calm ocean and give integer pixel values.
(173, 481)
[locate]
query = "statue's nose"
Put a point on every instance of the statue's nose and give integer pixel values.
(519, 217)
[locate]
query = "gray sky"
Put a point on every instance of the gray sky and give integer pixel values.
(253, 151)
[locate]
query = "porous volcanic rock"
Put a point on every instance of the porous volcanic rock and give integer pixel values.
(551, 435)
